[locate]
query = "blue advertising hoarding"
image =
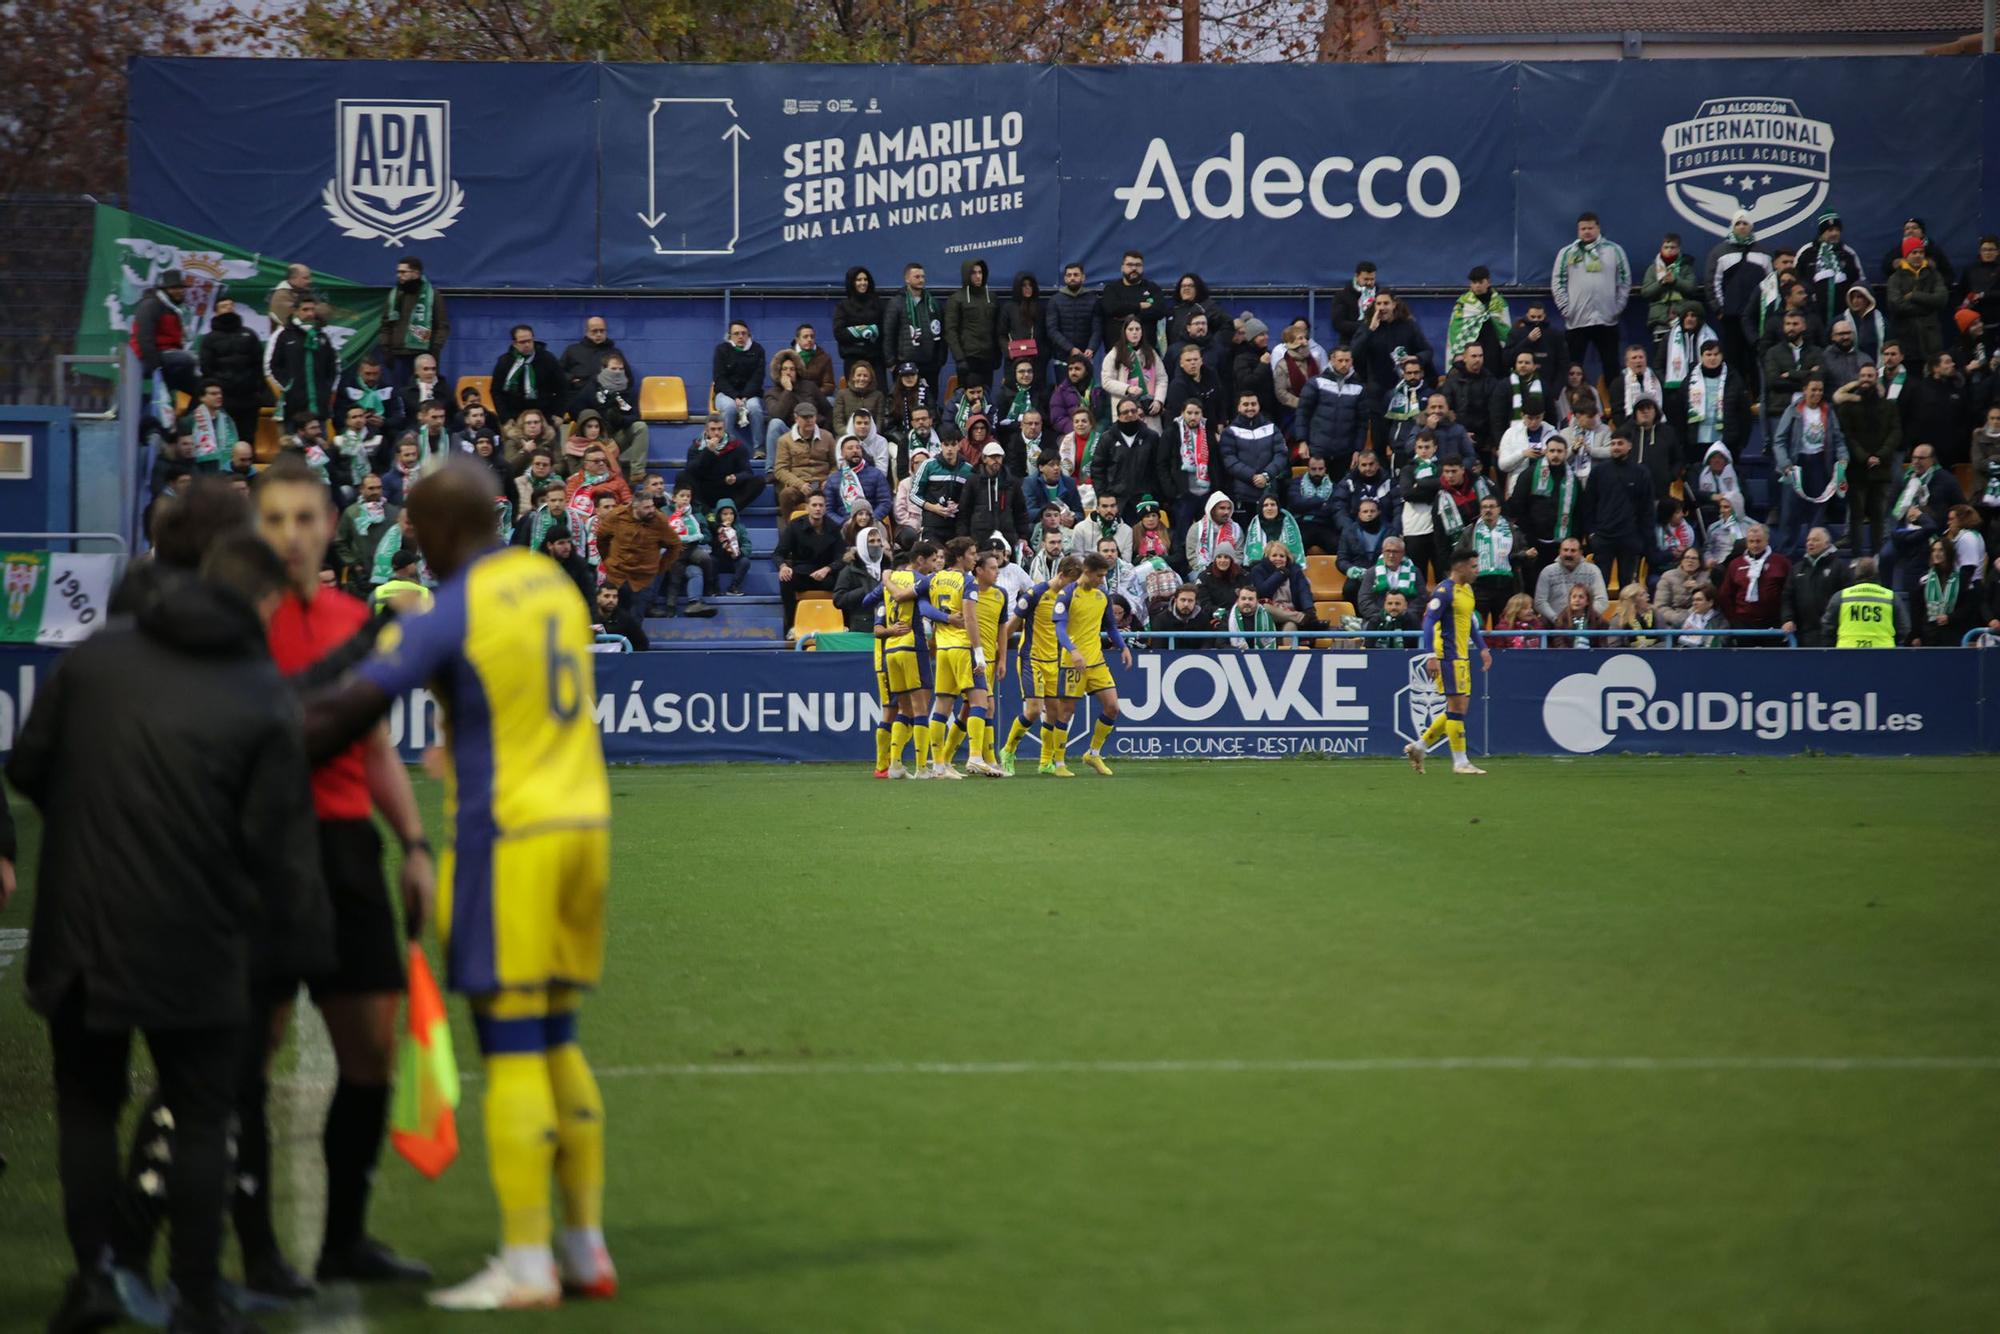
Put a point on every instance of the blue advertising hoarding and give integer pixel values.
(687, 176)
(665, 708)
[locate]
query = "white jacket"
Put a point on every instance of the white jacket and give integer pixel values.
(1514, 448)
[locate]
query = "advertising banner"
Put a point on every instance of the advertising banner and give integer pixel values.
(53, 597)
(795, 173)
(673, 708)
(689, 176)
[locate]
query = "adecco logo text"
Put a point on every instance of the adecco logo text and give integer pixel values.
(1218, 188)
(1586, 711)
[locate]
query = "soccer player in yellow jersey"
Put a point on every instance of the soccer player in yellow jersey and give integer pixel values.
(1082, 620)
(986, 613)
(1451, 632)
(905, 662)
(1041, 681)
(506, 650)
(942, 600)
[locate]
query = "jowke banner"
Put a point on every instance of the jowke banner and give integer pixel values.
(53, 597)
(128, 254)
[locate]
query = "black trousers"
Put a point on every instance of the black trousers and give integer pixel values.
(197, 1071)
(1625, 553)
(1603, 337)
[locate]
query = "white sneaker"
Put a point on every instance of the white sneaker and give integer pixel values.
(897, 770)
(979, 768)
(1466, 767)
(920, 771)
(1414, 753)
(584, 1264)
(945, 771)
(498, 1288)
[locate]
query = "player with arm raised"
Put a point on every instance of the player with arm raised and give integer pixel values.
(1082, 621)
(506, 650)
(1451, 631)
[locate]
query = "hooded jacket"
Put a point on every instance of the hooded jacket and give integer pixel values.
(1022, 315)
(285, 359)
(1619, 498)
(1130, 470)
(233, 356)
(858, 322)
(1377, 350)
(1734, 274)
(180, 854)
(992, 502)
(972, 319)
(1916, 296)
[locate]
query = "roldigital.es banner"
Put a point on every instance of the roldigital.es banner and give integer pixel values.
(662, 708)
(675, 176)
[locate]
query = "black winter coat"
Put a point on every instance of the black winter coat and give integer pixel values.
(234, 357)
(1119, 301)
(286, 358)
(1130, 472)
(1333, 416)
(739, 372)
(551, 386)
(857, 325)
(1619, 498)
(179, 845)
(1070, 321)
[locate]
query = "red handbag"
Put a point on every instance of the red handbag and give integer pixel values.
(1023, 349)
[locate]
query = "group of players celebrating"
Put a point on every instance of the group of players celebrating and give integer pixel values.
(948, 617)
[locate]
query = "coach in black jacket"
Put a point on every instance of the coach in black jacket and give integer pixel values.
(178, 843)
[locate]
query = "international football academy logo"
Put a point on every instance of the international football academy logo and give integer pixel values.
(1757, 154)
(392, 171)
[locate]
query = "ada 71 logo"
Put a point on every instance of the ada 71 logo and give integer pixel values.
(392, 171)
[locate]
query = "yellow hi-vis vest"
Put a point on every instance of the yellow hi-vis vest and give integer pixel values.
(1867, 617)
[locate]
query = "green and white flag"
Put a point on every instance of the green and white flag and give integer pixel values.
(128, 254)
(53, 597)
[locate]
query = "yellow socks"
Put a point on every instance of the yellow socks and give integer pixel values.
(937, 731)
(1101, 734)
(579, 1137)
(1454, 728)
(1015, 733)
(952, 736)
(899, 737)
(881, 747)
(1434, 731)
(975, 728)
(521, 1139)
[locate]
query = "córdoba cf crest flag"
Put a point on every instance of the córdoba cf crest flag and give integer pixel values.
(53, 597)
(422, 1123)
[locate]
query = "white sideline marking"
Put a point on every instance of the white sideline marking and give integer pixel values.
(1361, 1065)
(298, 1115)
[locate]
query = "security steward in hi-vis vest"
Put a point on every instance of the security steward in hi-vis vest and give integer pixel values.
(1866, 615)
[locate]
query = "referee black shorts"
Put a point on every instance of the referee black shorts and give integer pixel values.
(368, 944)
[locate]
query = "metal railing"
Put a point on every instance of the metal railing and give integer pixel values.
(1416, 636)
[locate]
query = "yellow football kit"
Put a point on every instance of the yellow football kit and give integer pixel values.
(1082, 618)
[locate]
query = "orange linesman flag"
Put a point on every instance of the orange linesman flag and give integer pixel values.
(422, 1125)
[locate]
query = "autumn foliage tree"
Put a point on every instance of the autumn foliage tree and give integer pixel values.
(904, 31)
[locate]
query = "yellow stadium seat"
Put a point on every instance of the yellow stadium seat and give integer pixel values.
(265, 447)
(1332, 612)
(814, 595)
(484, 383)
(818, 614)
(1328, 580)
(663, 398)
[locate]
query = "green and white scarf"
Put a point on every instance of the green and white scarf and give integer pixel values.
(542, 520)
(1916, 491)
(214, 436)
(1991, 496)
(312, 366)
(1892, 387)
(383, 567)
(1469, 316)
(1704, 408)
(1940, 597)
(1405, 402)
(1494, 547)
(1237, 628)
(523, 369)
(1542, 482)
(1402, 579)
(352, 446)
(1449, 520)
(1532, 388)
(1255, 538)
(368, 513)
(417, 331)
(1684, 353)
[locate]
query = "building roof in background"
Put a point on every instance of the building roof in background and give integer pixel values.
(1804, 19)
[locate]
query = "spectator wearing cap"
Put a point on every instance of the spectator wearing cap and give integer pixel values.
(161, 338)
(1656, 446)
(1914, 228)
(1250, 366)
(1479, 318)
(910, 392)
(804, 461)
(855, 482)
(719, 468)
(1841, 359)
(1049, 488)
(1151, 535)
(1917, 296)
(1970, 352)
(993, 501)
(559, 545)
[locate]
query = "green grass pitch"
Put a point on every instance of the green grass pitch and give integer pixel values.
(1618, 1045)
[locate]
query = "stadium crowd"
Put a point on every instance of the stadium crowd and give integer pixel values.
(1601, 483)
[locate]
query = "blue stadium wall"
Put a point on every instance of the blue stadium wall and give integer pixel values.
(665, 708)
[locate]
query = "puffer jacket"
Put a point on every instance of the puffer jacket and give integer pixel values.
(972, 319)
(1334, 413)
(233, 356)
(1069, 319)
